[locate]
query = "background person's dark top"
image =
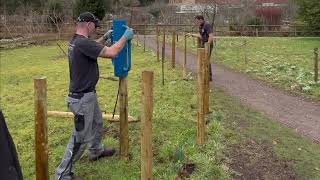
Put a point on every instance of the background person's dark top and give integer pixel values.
(205, 29)
(9, 164)
(83, 66)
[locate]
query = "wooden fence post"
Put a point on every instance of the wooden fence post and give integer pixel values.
(173, 57)
(163, 53)
(245, 51)
(137, 42)
(146, 125)
(198, 42)
(144, 37)
(316, 64)
(124, 131)
(206, 78)
(201, 112)
(164, 43)
(185, 57)
(158, 58)
(138, 38)
(194, 42)
(257, 33)
(41, 128)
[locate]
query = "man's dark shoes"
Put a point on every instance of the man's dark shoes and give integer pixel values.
(77, 178)
(106, 153)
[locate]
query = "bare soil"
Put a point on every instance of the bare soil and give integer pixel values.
(256, 160)
(186, 171)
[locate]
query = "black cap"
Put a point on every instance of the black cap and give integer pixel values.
(88, 17)
(199, 17)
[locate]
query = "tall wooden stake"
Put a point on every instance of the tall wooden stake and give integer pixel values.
(206, 78)
(245, 51)
(162, 65)
(316, 64)
(198, 42)
(164, 43)
(201, 112)
(41, 128)
(158, 58)
(137, 39)
(185, 57)
(144, 37)
(146, 125)
(173, 57)
(163, 53)
(124, 131)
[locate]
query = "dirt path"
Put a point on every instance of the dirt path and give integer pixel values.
(295, 112)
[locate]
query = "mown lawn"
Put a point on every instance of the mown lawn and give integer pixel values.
(174, 115)
(287, 63)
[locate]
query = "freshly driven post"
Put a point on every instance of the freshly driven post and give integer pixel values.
(164, 43)
(173, 50)
(124, 130)
(316, 64)
(198, 42)
(206, 78)
(146, 125)
(144, 37)
(41, 128)
(163, 53)
(201, 111)
(157, 42)
(185, 57)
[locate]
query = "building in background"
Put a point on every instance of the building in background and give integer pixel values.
(272, 12)
(179, 2)
(218, 11)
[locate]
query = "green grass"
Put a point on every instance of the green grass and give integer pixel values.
(174, 129)
(287, 63)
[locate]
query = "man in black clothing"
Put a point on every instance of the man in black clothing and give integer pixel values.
(9, 164)
(82, 99)
(205, 34)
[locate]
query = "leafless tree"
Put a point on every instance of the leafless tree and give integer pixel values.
(210, 10)
(157, 10)
(55, 18)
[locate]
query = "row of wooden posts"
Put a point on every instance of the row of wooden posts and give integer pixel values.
(41, 114)
(41, 125)
(203, 59)
(184, 66)
(252, 30)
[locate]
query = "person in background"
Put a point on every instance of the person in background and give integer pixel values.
(9, 165)
(82, 98)
(205, 34)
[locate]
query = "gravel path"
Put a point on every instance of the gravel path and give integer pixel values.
(293, 111)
